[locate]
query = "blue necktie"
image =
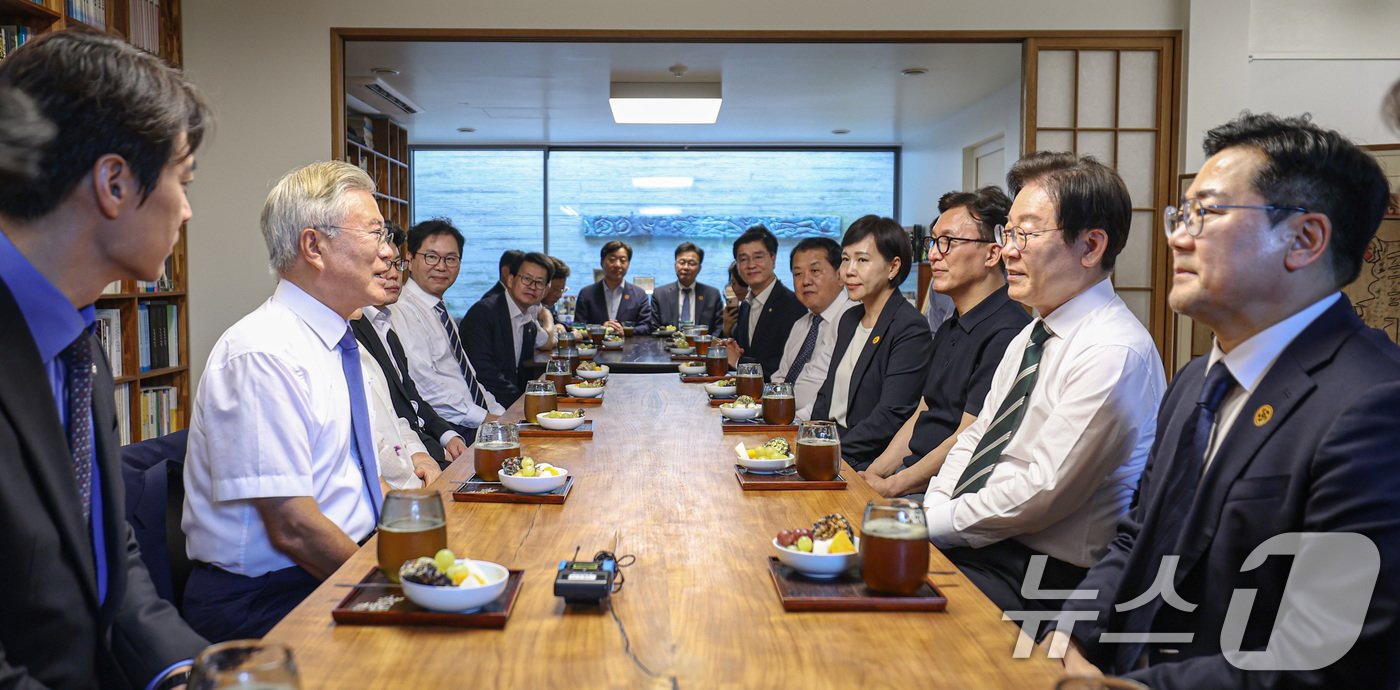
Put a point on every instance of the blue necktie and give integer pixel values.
(361, 446)
(804, 354)
(685, 303)
(454, 342)
(77, 357)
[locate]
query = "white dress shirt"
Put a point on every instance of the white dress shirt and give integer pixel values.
(431, 362)
(395, 441)
(613, 296)
(518, 319)
(271, 419)
(841, 387)
(1070, 470)
(1251, 360)
(813, 375)
(756, 301)
(381, 318)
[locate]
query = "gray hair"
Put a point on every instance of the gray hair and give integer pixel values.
(313, 196)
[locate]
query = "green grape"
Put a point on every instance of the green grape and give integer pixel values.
(444, 559)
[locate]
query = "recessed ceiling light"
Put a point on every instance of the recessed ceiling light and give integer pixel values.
(913, 71)
(466, 130)
(665, 103)
(383, 70)
(840, 131)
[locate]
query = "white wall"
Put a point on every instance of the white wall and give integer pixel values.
(932, 163)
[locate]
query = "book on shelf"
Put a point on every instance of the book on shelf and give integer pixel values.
(90, 12)
(165, 283)
(145, 25)
(12, 36)
(159, 411)
(109, 332)
(123, 395)
(158, 331)
(113, 288)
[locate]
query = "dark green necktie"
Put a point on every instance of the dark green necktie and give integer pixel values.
(1008, 418)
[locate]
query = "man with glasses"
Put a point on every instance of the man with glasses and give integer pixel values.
(502, 331)
(1288, 427)
(281, 476)
(613, 300)
(686, 300)
(437, 358)
(1050, 463)
(967, 348)
(767, 313)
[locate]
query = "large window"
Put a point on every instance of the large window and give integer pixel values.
(652, 199)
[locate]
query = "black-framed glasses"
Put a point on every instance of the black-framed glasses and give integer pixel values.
(378, 232)
(399, 265)
(531, 282)
(1192, 213)
(432, 259)
(1018, 236)
(944, 243)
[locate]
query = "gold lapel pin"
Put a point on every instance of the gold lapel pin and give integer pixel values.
(1263, 415)
(875, 340)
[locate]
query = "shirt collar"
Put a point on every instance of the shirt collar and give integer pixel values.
(988, 306)
(1251, 359)
(762, 297)
(613, 291)
(1071, 313)
(378, 314)
(516, 312)
(838, 306)
(52, 320)
(326, 324)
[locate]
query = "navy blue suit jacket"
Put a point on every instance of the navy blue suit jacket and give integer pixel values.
(635, 306)
(887, 380)
(780, 312)
(490, 345)
(665, 306)
(1327, 459)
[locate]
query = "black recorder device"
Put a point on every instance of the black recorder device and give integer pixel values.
(585, 582)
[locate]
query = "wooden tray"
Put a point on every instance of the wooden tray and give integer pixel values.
(478, 490)
(757, 426)
(749, 481)
(493, 615)
(846, 592)
(687, 358)
(528, 430)
(702, 379)
(580, 402)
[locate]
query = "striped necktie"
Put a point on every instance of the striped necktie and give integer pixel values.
(454, 343)
(1008, 418)
(804, 354)
(77, 358)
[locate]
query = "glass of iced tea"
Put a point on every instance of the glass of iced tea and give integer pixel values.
(495, 441)
(629, 328)
(540, 396)
(779, 404)
(717, 360)
(894, 546)
(690, 334)
(412, 524)
(596, 332)
(818, 451)
(245, 664)
(750, 380)
(559, 373)
(702, 344)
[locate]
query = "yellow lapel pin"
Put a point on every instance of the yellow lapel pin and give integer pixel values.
(875, 340)
(1263, 415)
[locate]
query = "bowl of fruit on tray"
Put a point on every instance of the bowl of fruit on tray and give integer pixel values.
(825, 550)
(770, 457)
(586, 389)
(560, 420)
(524, 475)
(741, 409)
(447, 583)
(723, 388)
(587, 351)
(692, 368)
(612, 341)
(591, 371)
(680, 346)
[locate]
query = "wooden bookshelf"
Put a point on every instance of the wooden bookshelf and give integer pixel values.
(133, 20)
(384, 156)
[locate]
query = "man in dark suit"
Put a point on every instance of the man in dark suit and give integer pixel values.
(685, 299)
(510, 258)
(374, 331)
(769, 310)
(613, 300)
(79, 607)
(1286, 428)
(503, 331)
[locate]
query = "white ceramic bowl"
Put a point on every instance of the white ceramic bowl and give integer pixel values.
(576, 391)
(689, 369)
(464, 598)
(560, 424)
(761, 465)
(587, 351)
(681, 350)
(740, 413)
(612, 344)
(718, 391)
(818, 565)
(534, 485)
(592, 375)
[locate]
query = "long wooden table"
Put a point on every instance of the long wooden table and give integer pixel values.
(698, 608)
(640, 354)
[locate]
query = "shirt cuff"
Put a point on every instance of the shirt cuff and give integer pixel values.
(166, 672)
(447, 437)
(940, 526)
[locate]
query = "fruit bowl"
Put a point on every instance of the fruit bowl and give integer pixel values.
(681, 350)
(613, 343)
(587, 351)
(691, 369)
(764, 465)
(576, 391)
(463, 598)
(534, 485)
(592, 374)
(818, 565)
(560, 423)
(740, 413)
(717, 391)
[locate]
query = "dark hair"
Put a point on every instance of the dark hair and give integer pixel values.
(561, 269)
(1317, 169)
(23, 134)
(537, 259)
(1087, 195)
(510, 258)
(428, 228)
(890, 240)
(734, 276)
(396, 234)
(612, 246)
(757, 233)
(104, 96)
(690, 247)
(824, 244)
(988, 206)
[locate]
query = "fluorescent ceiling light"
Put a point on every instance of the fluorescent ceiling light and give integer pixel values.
(663, 182)
(659, 211)
(664, 103)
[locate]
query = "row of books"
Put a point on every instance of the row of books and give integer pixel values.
(145, 25)
(90, 12)
(124, 413)
(109, 331)
(12, 36)
(159, 411)
(158, 325)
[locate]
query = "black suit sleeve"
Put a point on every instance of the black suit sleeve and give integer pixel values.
(492, 361)
(904, 374)
(585, 309)
(148, 635)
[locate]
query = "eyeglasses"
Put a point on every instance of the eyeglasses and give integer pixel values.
(378, 232)
(1017, 236)
(1192, 214)
(944, 243)
(399, 265)
(531, 282)
(431, 259)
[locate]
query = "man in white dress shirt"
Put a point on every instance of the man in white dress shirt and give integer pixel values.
(815, 263)
(1054, 456)
(436, 357)
(281, 478)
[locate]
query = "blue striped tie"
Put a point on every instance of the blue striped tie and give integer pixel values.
(455, 344)
(804, 354)
(1008, 419)
(77, 357)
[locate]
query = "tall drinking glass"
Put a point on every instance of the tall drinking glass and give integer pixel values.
(779, 404)
(702, 344)
(894, 546)
(245, 664)
(411, 525)
(495, 441)
(690, 334)
(717, 360)
(559, 372)
(818, 451)
(540, 396)
(596, 332)
(750, 380)
(629, 328)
